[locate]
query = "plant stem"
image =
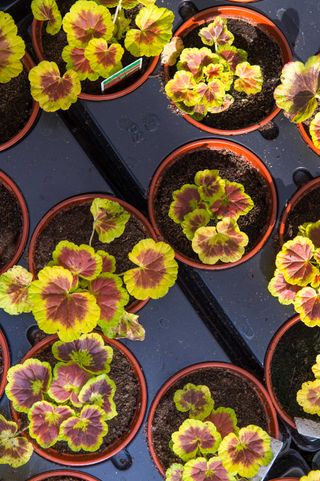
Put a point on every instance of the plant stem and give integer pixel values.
(91, 237)
(119, 6)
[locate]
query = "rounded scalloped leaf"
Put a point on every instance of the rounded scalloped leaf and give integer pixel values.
(68, 380)
(216, 33)
(228, 101)
(311, 476)
(58, 308)
(315, 131)
(234, 203)
(109, 219)
(200, 469)
(12, 49)
(250, 79)
(312, 231)
(103, 58)
(171, 51)
(224, 242)
(296, 94)
(225, 420)
(233, 55)
(89, 352)
(52, 91)
(245, 453)
(100, 391)
(309, 397)
(194, 399)
(316, 368)
(44, 422)
(294, 261)
(85, 431)
(307, 305)
(221, 71)
(108, 262)
(155, 30)
(175, 472)
(211, 94)
(76, 60)
(182, 88)
(27, 383)
(126, 4)
(129, 328)
(80, 260)
(280, 288)
(185, 200)
(111, 298)
(14, 285)
(209, 183)
(14, 450)
(87, 20)
(195, 437)
(156, 272)
(47, 11)
(194, 60)
(193, 221)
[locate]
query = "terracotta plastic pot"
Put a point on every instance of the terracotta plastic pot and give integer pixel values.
(267, 369)
(260, 390)
(214, 144)
(305, 189)
(285, 479)
(78, 199)
(63, 472)
(11, 186)
(244, 1)
(5, 361)
(37, 27)
(87, 459)
(28, 63)
(307, 138)
(252, 17)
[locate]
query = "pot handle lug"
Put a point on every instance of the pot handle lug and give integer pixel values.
(187, 9)
(270, 131)
(34, 334)
(301, 176)
(122, 460)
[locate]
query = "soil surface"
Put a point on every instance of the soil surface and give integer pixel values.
(15, 106)
(54, 44)
(11, 224)
(232, 167)
(262, 50)
(74, 224)
(227, 389)
(291, 366)
(126, 398)
(61, 478)
(306, 210)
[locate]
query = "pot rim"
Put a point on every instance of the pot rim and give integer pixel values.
(262, 393)
(306, 137)
(293, 201)
(216, 144)
(253, 17)
(63, 472)
(92, 458)
(15, 190)
(136, 305)
(28, 63)
(37, 26)
(5, 361)
(267, 368)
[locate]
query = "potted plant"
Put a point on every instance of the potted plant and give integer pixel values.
(18, 111)
(216, 386)
(192, 198)
(221, 68)
(121, 33)
(63, 475)
(14, 223)
(298, 96)
(74, 403)
(4, 362)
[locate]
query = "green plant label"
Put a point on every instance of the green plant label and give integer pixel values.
(121, 75)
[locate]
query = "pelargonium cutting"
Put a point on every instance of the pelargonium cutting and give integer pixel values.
(71, 400)
(299, 94)
(12, 49)
(99, 33)
(205, 76)
(297, 276)
(207, 212)
(79, 289)
(210, 444)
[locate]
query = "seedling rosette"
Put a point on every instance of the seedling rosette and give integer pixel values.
(196, 400)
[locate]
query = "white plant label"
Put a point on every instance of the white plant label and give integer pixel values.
(276, 447)
(308, 428)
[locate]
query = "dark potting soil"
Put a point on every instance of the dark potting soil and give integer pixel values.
(232, 167)
(306, 210)
(11, 224)
(291, 366)
(74, 223)
(227, 389)
(262, 50)
(54, 44)
(61, 478)
(126, 398)
(15, 106)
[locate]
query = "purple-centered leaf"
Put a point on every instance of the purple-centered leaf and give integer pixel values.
(68, 380)
(175, 472)
(27, 383)
(44, 422)
(233, 55)
(280, 288)
(309, 397)
(193, 60)
(211, 94)
(224, 419)
(234, 203)
(195, 437)
(15, 450)
(89, 352)
(185, 200)
(194, 399)
(86, 430)
(108, 262)
(193, 221)
(200, 469)
(100, 392)
(14, 288)
(250, 78)
(307, 305)
(47, 11)
(181, 89)
(209, 183)
(216, 33)
(227, 102)
(80, 260)
(109, 219)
